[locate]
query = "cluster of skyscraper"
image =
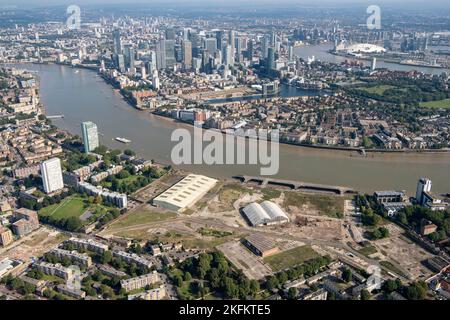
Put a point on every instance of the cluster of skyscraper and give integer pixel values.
(198, 51)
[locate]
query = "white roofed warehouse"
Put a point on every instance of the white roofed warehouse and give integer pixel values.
(266, 213)
(185, 193)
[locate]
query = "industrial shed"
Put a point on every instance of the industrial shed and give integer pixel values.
(260, 245)
(185, 193)
(266, 213)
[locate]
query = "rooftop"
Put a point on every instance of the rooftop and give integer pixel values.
(187, 191)
(260, 242)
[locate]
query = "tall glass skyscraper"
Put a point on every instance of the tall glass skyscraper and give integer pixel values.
(117, 43)
(90, 136)
(210, 44)
(187, 54)
(170, 53)
(270, 59)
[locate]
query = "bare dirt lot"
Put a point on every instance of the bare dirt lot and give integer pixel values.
(33, 245)
(221, 209)
(157, 187)
(401, 250)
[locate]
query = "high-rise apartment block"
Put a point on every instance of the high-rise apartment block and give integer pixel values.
(90, 136)
(52, 175)
(423, 186)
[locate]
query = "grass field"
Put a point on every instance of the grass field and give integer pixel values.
(71, 207)
(195, 243)
(207, 232)
(392, 268)
(228, 194)
(436, 104)
(290, 258)
(141, 217)
(269, 194)
(377, 89)
(127, 181)
(367, 251)
(331, 206)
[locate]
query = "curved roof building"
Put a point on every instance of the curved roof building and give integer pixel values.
(274, 211)
(360, 48)
(265, 213)
(256, 214)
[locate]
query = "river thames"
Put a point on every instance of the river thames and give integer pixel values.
(81, 95)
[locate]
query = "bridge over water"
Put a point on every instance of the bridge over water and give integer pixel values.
(295, 185)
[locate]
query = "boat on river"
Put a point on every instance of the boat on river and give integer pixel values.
(123, 140)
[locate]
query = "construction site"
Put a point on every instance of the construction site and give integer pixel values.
(319, 224)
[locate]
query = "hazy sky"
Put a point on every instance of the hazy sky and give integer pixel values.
(221, 2)
(410, 4)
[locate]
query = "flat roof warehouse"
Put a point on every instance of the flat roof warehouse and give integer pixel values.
(260, 245)
(185, 193)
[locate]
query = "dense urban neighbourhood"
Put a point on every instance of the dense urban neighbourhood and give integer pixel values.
(79, 220)
(251, 77)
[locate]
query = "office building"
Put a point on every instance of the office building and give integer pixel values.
(250, 50)
(239, 50)
(219, 39)
(117, 42)
(161, 55)
(129, 56)
(228, 58)
(265, 47)
(52, 175)
(90, 136)
(187, 54)
(273, 38)
(170, 34)
(120, 62)
(290, 53)
(151, 65)
(210, 44)
(231, 40)
(270, 60)
(169, 46)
